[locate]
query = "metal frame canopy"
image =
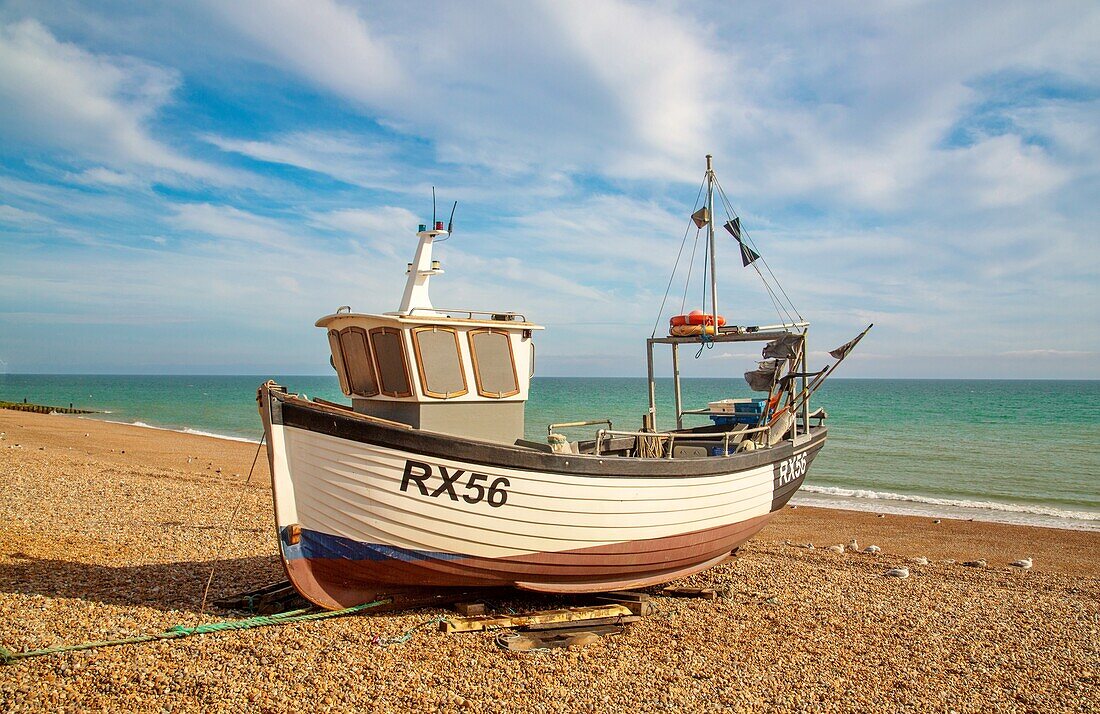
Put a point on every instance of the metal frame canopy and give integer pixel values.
(765, 333)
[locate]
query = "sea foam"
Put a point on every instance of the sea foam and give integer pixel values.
(186, 430)
(863, 499)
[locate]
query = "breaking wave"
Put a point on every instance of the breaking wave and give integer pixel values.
(220, 436)
(1087, 519)
(186, 430)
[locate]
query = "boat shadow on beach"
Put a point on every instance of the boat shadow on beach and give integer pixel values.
(163, 586)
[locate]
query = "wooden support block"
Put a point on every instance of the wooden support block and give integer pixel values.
(638, 603)
(470, 608)
(587, 624)
(571, 614)
(624, 596)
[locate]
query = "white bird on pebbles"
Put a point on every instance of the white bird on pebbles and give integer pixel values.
(872, 549)
(921, 560)
(836, 548)
(853, 545)
(1024, 563)
(897, 573)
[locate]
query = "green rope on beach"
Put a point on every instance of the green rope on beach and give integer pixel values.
(178, 632)
(402, 639)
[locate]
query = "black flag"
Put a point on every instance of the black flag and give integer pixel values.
(841, 352)
(734, 227)
(748, 255)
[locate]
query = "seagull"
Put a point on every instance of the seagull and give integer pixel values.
(1024, 563)
(921, 560)
(836, 548)
(853, 545)
(975, 563)
(872, 549)
(897, 573)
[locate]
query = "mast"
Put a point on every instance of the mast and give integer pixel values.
(710, 236)
(420, 270)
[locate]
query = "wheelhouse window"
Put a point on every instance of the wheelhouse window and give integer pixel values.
(439, 362)
(393, 366)
(357, 373)
(494, 363)
(338, 361)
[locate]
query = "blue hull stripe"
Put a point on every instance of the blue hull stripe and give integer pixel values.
(315, 544)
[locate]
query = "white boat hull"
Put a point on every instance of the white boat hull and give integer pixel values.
(354, 512)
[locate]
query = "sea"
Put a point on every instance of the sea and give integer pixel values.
(1012, 451)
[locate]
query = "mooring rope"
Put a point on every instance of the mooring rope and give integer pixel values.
(402, 639)
(228, 530)
(179, 631)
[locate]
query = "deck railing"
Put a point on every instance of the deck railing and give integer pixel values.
(672, 437)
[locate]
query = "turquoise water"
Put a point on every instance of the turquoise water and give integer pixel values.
(1017, 451)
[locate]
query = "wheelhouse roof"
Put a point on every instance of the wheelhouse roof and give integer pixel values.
(439, 317)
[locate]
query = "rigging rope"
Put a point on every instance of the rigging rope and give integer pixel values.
(729, 210)
(705, 340)
(691, 266)
(676, 266)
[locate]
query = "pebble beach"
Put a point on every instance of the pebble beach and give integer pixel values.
(111, 531)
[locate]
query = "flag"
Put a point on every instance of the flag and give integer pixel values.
(748, 255)
(841, 352)
(734, 227)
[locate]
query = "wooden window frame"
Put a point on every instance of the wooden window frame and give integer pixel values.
(342, 366)
(404, 361)
(420, 362)
(370, 357)
(511, 357)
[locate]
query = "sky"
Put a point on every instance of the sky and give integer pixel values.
(186, 187)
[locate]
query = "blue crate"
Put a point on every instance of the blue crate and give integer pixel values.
(755, 407)
(733, 419)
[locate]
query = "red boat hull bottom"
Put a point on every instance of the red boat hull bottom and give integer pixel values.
(339, 582)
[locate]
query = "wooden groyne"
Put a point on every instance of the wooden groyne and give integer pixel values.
(43, 409)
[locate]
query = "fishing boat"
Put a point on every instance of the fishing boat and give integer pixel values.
(427, 480)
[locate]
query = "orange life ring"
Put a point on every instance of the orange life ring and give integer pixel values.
(696, 317)
(690, 330)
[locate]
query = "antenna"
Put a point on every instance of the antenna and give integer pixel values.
(451, 220)
(433, 206)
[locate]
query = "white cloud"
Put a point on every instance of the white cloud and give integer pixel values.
(340, 155)
(328, 41)
(18, 217)
(101, 176)
(233, 225)
(386, 229)
(58, 95)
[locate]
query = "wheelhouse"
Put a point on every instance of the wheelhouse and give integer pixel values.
(459, 372)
